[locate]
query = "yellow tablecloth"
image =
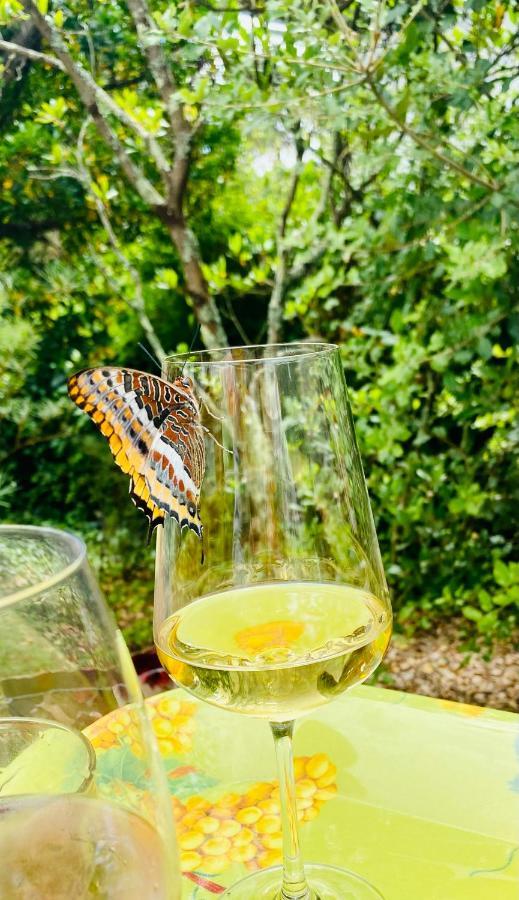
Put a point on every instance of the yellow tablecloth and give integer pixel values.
(419, 796)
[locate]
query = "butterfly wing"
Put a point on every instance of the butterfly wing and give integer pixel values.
(154, 433)
(176, 465)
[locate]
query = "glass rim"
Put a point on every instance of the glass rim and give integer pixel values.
(79, 549)
(294, 351)
(12, 721)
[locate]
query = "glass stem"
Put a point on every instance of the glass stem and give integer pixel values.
(294, 881)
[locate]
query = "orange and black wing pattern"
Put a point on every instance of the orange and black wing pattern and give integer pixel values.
(154, 432)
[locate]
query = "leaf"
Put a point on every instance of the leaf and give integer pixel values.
(120, 764)
(151, 38)
(190, 113)
(188, 785)
(485, 600)
(166, 279)
(484, 348)
(506, 574)
(52, 112)
(470, 612)
(10, 9)
(476, 259)
(235, 243)
(396, 320)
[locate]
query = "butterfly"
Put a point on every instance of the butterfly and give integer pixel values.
(154, 432)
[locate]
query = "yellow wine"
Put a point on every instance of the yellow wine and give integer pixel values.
(275, 650)
(62, 847)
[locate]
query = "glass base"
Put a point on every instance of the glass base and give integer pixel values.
(325, 882)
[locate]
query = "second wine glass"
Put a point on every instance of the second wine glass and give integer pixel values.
(78, 817)
(287, 605)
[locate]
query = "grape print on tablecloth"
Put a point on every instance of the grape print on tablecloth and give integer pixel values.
(214, 832)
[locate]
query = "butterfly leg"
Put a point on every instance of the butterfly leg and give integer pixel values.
(213, 415)
(211, 435)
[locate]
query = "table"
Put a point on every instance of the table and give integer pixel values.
(419, 796)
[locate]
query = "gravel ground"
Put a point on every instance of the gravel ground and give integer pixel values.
(434, 664)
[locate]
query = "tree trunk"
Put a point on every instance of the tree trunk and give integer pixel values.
(212, 331)
(275, 311)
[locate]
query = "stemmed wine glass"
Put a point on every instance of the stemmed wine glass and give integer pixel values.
(68, 827)
(287, 606)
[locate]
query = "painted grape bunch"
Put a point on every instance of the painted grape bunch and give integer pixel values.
(214, 834)
(246, 828)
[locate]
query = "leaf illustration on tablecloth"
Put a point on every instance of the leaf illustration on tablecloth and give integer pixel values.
(119, 764)
(193, 782)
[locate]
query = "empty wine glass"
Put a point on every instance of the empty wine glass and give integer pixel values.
(65, 829)
(287, 606)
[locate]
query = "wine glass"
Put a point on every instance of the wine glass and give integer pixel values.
(38, 756)
(69, 827)
(287, 606)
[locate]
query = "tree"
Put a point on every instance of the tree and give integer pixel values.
(171, 165)
(351, 177)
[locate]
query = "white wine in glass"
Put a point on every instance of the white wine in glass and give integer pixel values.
(275, 650)
(287, 606)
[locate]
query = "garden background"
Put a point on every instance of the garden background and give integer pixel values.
(340, 171)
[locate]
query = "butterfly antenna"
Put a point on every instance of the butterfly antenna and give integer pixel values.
(150, 355)
(192, 345)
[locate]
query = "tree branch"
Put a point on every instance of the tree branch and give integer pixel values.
(374, 64)
(93, 95)
(37, 439)
(459, 55)
(257, 76)
(99, 105)
(157, 62)
(275, 310)
(26, 52)
(176, 178)
(15, 69)
(325, 191)
(89, 92)
(424, 142)
(138, 303)
(299, 269)
(211, 329)
(337, 16)
(252, 10)
(133, 172)
(231, 315)
(347, 68)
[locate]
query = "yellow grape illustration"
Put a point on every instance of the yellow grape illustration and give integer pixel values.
(246, 828)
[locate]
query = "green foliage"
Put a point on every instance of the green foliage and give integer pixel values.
(401, 244)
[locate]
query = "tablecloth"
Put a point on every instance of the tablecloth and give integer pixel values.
(419, 796)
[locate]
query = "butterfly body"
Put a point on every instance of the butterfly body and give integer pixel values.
(155, 436)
